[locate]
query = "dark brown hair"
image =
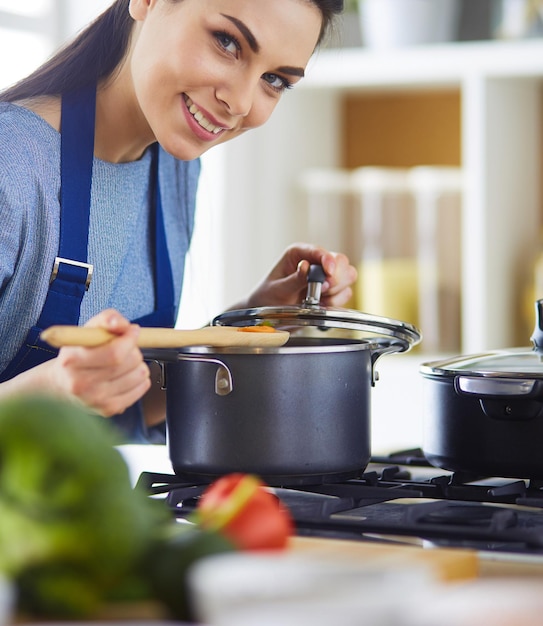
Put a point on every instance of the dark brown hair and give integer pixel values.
(100, 48)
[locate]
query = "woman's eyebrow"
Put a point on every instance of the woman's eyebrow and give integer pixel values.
(255, 47)
(293, 71)
(245, 31)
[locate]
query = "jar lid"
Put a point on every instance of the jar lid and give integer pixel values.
(310, 314)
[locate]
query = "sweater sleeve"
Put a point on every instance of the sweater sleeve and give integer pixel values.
(29, 209)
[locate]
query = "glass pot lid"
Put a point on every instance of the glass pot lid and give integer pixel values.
(523, 362)
(514, 363)
(311, 316)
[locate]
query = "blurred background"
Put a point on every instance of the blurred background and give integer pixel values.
(413, 144)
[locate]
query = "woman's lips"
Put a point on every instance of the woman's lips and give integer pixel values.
(200, 124)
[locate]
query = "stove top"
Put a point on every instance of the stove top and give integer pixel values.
(401, 498)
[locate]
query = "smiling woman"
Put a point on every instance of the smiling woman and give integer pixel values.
(99, 165)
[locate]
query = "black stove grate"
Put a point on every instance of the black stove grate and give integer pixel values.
(400, 495)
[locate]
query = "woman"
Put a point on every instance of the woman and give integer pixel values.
(102, 239)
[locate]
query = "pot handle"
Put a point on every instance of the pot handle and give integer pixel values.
(224, 383)
(385, 346)
(493, 387)
(503, 398)
(537, 335)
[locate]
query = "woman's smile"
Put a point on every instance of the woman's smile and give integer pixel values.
(204, 121)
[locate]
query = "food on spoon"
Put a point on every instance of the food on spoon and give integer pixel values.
(261, 328)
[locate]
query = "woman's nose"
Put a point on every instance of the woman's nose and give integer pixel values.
(237, 95)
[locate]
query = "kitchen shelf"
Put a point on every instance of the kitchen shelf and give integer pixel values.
(499, 87)
(430, 65)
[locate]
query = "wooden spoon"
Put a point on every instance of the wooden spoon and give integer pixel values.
(216, 336)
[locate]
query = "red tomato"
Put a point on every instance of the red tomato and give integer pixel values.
(240, 508)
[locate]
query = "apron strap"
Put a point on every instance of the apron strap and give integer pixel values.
(71, 273)
(164, 295)
(76, 161)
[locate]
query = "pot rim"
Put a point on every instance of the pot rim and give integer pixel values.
(376, 347)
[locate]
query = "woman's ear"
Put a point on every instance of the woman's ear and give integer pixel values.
(138, 9)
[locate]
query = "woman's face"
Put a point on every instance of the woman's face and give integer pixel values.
(205, 71)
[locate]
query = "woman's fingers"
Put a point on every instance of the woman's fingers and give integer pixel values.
(340, 275)
(287, 282)
(111, 396)
(107, 378)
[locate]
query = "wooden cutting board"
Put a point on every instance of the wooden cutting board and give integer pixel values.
(445, 564)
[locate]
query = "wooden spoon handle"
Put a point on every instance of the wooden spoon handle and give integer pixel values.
(217, 336)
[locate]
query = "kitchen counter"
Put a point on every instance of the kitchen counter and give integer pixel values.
(463, 571)
(456, 570)
(448, 564)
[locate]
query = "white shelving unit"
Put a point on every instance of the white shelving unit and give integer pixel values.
(500, 86)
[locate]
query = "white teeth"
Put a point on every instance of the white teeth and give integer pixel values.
(200, 118)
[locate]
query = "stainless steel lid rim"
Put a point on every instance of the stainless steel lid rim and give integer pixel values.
(315, 313)
(515, 363)
(436, 373)
(512, 363)
(405, 334)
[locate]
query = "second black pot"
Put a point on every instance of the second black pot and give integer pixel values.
(483, 413)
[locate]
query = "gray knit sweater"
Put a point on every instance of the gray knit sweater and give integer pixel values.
(120, 246)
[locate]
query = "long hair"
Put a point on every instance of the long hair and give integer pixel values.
(93, 55)
(99, 49)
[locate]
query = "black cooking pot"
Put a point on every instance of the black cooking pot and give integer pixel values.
(298, 414)
(483, 414)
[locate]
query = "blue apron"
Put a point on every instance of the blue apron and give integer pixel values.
(72, 274)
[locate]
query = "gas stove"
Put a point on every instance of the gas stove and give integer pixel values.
(401, 499)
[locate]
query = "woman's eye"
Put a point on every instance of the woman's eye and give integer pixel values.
(277, 82)
(228, 42)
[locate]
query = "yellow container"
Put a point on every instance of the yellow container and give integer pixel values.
(389, 287)
(388, 282)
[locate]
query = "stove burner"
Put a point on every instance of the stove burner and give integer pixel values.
(399, 495)
(469, 514)
(279, 480)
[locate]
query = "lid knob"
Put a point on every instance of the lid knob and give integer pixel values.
(537, 335)
(315, 278)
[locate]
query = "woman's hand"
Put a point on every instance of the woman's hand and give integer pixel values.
(107, 378)
(286, 284)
